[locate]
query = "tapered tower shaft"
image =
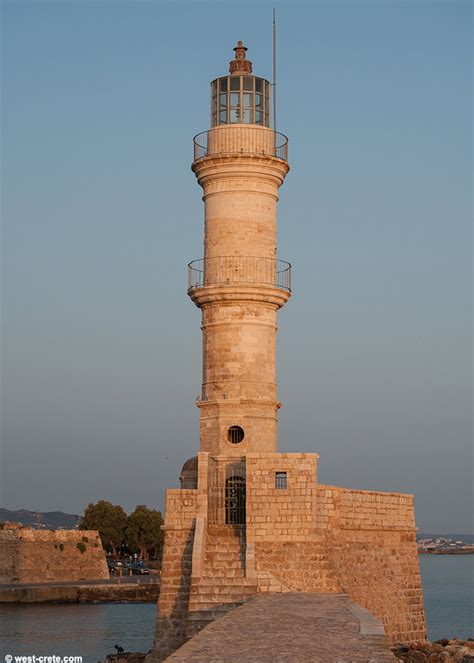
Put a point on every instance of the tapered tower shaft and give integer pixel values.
(239, 284)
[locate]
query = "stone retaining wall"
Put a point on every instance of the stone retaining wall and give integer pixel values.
(129, 592)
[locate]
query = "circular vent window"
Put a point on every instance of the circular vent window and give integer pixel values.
(235, 434)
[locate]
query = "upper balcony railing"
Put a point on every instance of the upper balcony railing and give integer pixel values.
(241, 139)
(237, 270)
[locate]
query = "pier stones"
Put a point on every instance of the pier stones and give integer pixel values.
(320, 628)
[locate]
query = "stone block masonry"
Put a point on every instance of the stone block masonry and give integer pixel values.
(298, 536)
(179, 526)
(36, 556)
(276, 513)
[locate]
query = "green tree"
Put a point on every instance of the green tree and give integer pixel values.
(143, 531)
(109, 520)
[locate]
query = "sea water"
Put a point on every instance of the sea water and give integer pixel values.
(92, 630)
(448, 589)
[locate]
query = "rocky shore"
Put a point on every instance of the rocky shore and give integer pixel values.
(441, 651)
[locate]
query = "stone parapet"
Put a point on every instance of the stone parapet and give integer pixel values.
(346, 508)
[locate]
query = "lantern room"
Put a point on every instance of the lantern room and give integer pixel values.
(240, 97)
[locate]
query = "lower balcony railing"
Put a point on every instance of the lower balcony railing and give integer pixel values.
(232, 270)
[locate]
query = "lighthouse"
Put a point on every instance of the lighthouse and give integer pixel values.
(247, 518)
(240, 283)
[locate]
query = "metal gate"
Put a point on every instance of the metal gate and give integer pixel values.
(226, 494)
(235, 500)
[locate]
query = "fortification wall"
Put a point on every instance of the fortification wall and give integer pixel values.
(371, 545)
(345, 508)
(316, 538)
(42, 556)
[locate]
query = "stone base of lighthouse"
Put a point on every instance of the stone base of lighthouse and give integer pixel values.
(262, 523)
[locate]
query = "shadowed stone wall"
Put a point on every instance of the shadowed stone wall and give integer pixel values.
(181, 507)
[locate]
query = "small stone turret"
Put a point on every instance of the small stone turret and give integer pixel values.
(189, 473)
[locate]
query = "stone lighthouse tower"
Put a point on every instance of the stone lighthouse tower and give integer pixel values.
(240, 284)
(248, 519)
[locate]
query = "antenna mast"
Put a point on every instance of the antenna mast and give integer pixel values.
(274, 73)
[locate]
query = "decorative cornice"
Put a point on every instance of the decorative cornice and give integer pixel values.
(215, 407)
(239, 293)
(237, 165)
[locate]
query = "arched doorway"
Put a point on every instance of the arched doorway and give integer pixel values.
(235, 500)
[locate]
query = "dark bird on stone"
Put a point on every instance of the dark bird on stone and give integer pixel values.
(120, 650)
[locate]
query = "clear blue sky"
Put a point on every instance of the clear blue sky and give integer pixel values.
(101, 213)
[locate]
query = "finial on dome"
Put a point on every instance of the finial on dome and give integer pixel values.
(240, 65)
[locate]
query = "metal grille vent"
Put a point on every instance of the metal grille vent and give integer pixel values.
(235, 434)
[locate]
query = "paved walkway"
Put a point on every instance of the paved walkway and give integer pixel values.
(290, 628)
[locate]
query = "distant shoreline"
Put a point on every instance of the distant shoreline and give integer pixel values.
(446, 552)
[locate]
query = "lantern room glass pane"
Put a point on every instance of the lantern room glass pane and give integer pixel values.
(240, 100)
(247, 116)
(248, 99)
(248, 83)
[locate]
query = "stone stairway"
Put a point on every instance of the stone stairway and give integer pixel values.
(225, 552)
(222, 585)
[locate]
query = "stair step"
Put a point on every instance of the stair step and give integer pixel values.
(210, 581)
(210, 595)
